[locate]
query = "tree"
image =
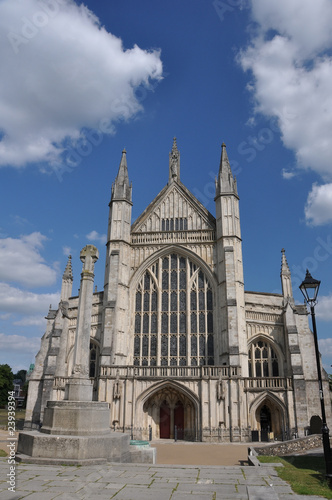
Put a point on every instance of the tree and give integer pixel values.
(20, 375)
(6, 383)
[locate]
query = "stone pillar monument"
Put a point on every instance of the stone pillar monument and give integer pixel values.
(79, 387)
(77, 429)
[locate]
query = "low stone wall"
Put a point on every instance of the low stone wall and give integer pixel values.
(290, 447)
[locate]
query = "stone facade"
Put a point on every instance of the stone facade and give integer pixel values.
(177, 346)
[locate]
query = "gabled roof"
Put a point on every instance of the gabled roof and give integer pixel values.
(183, 196)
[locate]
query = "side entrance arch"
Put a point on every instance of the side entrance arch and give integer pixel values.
(268, 418)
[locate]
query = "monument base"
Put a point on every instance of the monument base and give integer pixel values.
(78, 433)
(76, 418)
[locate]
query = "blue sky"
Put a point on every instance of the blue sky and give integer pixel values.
(80, 83)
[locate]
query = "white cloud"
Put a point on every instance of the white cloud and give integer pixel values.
(290, 60)
(32, 321)
(61, 72)
(21, 261)
(16, 343)
(318, 209)
(287, 174)
(324, 308)
(23, 302)
(95, 236)
(66, 251)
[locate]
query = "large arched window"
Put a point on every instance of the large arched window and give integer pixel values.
(263, 360)
(173, 315)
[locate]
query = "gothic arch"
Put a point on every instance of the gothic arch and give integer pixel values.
(279, 416)
(173, 299)
(260, 337)
(178, 400)
(185, 252)
(150, 391)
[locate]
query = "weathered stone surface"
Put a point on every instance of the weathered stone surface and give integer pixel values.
(290, 447)
(141, 363)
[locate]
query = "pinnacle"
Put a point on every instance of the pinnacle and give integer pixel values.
(284, 263)
(68, 271)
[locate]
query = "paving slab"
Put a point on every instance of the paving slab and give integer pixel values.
(145, 482)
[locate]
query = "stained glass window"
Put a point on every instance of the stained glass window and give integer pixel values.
(185, 298)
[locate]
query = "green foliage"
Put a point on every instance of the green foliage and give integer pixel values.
(21, 374)
(305, 474)
(6, 383)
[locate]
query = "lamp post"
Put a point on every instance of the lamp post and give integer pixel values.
(309, 287)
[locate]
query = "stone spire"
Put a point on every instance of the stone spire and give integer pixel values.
(225, 182)
(67, 281)
(174, 163)
(121, 189)
(285, 275)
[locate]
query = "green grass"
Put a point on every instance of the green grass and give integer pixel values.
(305, 474)
(20, 415)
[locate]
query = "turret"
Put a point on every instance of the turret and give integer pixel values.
(117, 269)
(232, 344)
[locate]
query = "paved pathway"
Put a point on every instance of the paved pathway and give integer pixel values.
(144, 482)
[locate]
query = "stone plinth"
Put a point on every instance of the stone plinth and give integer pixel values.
(79, 390)
(78, 433)
(35, 447)
(76, 418)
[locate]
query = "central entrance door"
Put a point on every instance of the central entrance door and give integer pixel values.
(165, 421)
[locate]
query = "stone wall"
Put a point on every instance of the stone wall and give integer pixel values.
(290, 447)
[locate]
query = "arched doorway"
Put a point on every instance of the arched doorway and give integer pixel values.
(315, 425)
(268, 418)
(171, 414)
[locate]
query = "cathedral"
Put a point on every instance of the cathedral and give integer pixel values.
(178, 348)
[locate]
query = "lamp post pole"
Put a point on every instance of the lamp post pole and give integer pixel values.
(325, 429)
(309, 287)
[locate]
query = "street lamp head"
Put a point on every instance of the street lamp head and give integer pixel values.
(309, 287)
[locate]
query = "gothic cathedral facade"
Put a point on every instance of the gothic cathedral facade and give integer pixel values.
(178, 348)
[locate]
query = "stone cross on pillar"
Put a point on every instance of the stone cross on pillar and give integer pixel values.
(80, 386)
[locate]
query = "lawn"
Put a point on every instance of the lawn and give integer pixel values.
(20, 415)
(19, 421)
(305, 474)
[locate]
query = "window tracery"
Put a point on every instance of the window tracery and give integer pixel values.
(263, 360)
(173, 315)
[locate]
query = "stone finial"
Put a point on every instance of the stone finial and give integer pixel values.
(174, 162)
(121, 188)
(284, 264)
(68, 273)
(285, 276)
(225, 182)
